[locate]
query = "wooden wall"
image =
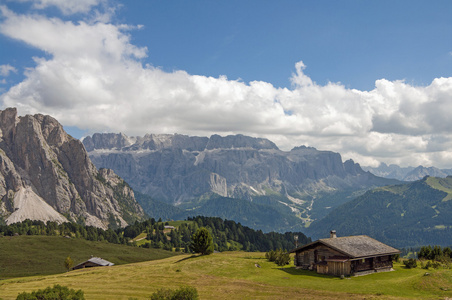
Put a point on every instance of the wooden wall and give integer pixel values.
(339, 268)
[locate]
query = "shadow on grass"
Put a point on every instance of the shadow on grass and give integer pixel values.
(294, 271)
(187, 258)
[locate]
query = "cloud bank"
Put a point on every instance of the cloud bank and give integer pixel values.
(94, 78)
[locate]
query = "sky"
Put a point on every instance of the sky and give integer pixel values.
(371, 80)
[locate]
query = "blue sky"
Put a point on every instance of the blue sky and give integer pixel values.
(369, 79)
(353, 42)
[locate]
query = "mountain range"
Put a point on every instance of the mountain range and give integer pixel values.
(45, 174)
(407, 173)
(201, 174)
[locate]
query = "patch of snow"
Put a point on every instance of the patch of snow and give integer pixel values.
(28, 205)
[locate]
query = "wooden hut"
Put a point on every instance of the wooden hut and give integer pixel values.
(349, 255)
(93, 262)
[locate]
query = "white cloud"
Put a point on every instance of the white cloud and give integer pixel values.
(67, 7)
(5, 70)
(96, 81)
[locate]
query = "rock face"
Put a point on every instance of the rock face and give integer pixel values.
(181, 170)
(47, 174)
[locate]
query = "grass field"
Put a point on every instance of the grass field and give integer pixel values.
(234, 275)
(42, 255)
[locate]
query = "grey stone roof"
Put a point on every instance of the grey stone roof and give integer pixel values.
(101, 262)
(95, 260)
(354, 246)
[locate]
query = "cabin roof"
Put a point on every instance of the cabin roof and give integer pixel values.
(100, 261)
(354, 247)
(96, 260)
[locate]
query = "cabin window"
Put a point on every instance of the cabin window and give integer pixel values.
(363, 260)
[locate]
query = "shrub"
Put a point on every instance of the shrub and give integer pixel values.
(68, 263)
(396, 257)
(283, 259)
(183, 293)
(410, 263)
(58, 292)
(279, 256)
(271, 255)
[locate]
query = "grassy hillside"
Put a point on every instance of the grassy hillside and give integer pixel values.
(32, 255)
(233, 275)
(408, 215)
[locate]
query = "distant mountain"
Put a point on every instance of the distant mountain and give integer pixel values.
(420, 172)
(412, 214)
(189, 171)
(45, 174)
(407, 173)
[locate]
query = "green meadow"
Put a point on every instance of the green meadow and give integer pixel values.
(42, 255)
(237, 275)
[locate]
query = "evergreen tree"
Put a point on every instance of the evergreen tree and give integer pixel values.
(202, 242)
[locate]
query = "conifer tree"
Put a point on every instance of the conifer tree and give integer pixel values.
(202, 242)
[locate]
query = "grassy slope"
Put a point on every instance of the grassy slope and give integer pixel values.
(234, 276)
(32, 255)
(442, 184)
(407, 215)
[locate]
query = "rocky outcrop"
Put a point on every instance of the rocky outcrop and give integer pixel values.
(41, 163)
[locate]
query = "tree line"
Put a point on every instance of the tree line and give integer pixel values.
(90, 233)
(227, 235)
(434, 253)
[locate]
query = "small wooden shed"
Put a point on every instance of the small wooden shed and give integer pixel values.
(93, 262)
(349, 255)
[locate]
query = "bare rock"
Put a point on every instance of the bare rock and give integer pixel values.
(39, 160)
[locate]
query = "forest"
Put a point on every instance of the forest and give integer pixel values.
(227, 235)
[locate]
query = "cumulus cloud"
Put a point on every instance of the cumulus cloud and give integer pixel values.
(94, 79)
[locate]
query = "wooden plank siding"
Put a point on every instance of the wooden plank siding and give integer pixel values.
(339, 268)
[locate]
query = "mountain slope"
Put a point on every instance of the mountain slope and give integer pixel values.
(405, 215)
(186, 171)
(46, 174)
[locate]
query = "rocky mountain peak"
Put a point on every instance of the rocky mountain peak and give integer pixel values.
(119, 141)
(40, 161)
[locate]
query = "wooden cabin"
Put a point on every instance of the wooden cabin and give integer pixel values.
(347, 256)
(93, 262)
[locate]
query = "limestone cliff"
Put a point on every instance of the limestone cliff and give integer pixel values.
(46, 174)
(183, 170)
